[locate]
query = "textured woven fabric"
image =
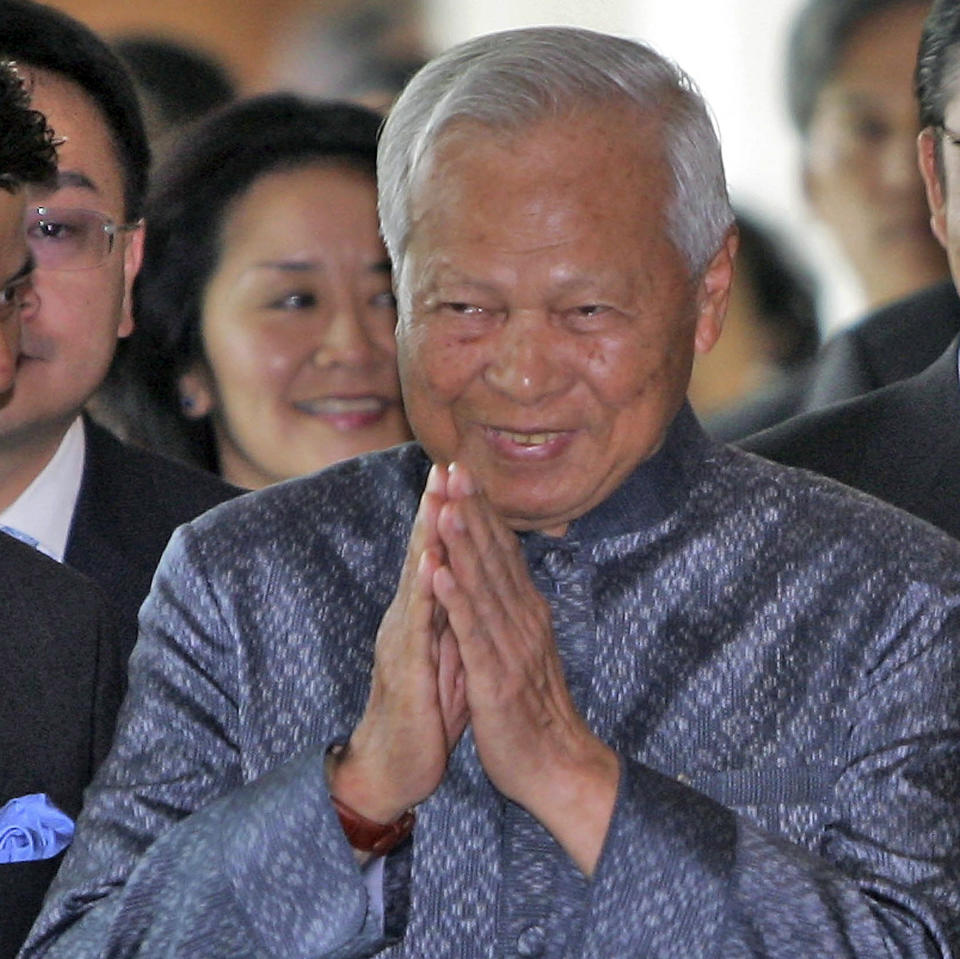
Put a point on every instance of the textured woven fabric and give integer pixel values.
(774, 657)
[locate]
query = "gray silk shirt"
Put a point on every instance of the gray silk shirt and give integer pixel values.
(774, 657)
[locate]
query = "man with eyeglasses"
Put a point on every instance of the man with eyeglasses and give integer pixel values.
(60, 641)
(901, 443)
(86, 499)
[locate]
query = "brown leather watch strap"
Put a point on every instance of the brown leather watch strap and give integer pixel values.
(369, 836)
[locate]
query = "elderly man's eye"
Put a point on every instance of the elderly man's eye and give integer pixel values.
(587, 315)
(464, 309)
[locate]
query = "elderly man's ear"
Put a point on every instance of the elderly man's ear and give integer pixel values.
(933, 182)
(714, 293)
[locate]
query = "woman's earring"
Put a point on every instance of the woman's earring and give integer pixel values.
(187, 404)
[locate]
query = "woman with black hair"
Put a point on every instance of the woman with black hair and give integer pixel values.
(264, 346)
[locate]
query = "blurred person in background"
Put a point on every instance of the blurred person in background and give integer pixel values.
(265, 342)
(755, 374)
(177, 84)
(850, 86)
(364, 51)
(850, 94)
(901, 443)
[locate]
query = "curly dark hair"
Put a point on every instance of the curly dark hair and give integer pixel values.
(39, 36)
(27, 146)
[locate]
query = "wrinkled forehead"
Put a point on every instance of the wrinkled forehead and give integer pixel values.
(553, 148)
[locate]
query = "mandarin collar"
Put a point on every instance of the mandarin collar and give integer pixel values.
(655, 489)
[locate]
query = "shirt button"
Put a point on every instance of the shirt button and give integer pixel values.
(531, 941)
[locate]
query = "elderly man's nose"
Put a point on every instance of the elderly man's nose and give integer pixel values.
(527, 365)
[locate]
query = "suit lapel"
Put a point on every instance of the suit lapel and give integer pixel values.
(927, 425)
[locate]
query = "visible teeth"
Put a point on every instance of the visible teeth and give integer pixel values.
(338, 405)
(528, 439)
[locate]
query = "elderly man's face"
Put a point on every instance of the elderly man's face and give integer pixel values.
(549, 323)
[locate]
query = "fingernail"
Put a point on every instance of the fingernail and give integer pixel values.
(466, 480)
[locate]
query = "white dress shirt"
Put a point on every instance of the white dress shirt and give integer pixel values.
(44, 510)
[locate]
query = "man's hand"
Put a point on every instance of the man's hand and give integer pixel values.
(533, 744)
(416, 712)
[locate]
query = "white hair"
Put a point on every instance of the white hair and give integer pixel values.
(511, 80)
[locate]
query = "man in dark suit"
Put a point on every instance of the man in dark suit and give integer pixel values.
(900, 443)
(61, 681)
(894, 343)
(90, 501)
(61, 662)
(849, 94)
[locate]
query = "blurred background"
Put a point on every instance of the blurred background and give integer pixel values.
(359, 48)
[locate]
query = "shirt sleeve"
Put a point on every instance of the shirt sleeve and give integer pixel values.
(684, 874)
(176, 853)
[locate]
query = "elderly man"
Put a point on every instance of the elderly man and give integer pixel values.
(587, 685)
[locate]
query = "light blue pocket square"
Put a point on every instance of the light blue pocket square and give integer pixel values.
(31, 827)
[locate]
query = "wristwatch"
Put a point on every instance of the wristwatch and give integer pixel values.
(369, 836)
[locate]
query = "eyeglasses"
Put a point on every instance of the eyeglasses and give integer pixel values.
(62, 238)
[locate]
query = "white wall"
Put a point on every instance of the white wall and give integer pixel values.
(734, 51)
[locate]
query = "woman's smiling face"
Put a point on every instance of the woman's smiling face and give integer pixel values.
(298, 325)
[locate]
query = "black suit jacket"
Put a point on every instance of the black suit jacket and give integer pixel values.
(61, 677)
(889, 345)
(130, 502)
(900, 443)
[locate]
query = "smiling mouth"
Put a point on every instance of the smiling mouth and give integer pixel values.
(343, 406)
(528, 439)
